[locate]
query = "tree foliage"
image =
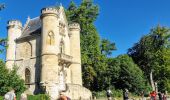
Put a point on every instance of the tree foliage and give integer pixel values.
(10, 79)
(2, 40)
(151, 54)
(99, 71)
(107, 47)
(124, 73)
(85, 15)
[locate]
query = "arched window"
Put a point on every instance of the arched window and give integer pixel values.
(27, 76)
(50, 38)
(62, 47)
(26, 51)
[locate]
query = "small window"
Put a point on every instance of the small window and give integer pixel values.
(50, 38)
(27, 77)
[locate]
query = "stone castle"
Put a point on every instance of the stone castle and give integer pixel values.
(47, 52)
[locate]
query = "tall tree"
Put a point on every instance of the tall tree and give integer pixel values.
(91, 58)
(124, 73)
(72, 12)
(149, 54)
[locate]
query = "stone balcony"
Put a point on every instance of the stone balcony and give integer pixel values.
(64, 59)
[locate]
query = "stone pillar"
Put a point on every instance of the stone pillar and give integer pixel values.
(76, 72)
(49, 45)
(14, 29)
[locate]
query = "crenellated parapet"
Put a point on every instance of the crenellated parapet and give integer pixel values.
(14, 28)
(14, 24)
(74, 26)
(50, 11)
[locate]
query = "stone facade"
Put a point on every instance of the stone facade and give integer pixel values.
(47, 52)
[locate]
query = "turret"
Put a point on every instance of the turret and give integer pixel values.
(50, 30)
(74, 33)
(14, 28)
(50, 33)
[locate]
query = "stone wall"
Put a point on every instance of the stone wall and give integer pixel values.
(78, 92)
(28, 56)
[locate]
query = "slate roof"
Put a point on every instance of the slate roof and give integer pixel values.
(33, 26)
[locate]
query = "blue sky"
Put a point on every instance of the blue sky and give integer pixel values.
(121, 21)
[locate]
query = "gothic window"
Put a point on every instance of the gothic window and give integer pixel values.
(62, 47)
(50, 38)
(27, 52)
(27, 76)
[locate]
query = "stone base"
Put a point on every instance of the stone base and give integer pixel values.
(78, 92)
(73, 91)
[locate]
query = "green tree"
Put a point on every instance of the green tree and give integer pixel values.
(128, 75)
(85, 15)
(2, 40)
(107, 47)
(72, 12)
(10, 79)
(94, 63)
(150, 53)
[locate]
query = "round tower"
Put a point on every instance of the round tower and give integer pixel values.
(49, 59)
(76, 72)
(14, 28)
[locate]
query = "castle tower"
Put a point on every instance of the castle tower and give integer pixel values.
(49, 45)
(14, 29)
(74, 32)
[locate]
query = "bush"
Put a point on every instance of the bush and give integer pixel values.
(115, 93)
(10, 80)
(38, 97)
(1, 97)
(33, 97)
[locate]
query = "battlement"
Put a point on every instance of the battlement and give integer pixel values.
(14, 23)
(49, 10)
(74, 26)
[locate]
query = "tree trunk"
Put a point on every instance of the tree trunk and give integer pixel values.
(152, 82)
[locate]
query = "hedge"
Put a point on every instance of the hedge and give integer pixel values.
(34, 97)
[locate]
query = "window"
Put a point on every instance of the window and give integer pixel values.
(27, 76)
(26, 50)
(50, 38)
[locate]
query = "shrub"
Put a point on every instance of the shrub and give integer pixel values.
(115, 93)
(10, 79)
(1, 97)
(39, 97)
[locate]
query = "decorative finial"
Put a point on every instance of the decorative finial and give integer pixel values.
(28, 18)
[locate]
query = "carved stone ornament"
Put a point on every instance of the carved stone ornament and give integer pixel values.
(62, 28)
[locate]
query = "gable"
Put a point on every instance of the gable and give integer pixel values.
(63, 17)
